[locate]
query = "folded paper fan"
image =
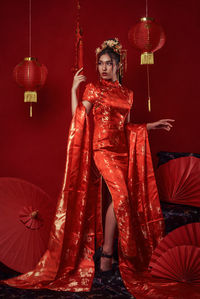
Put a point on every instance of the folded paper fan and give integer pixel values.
(180, 263)
(188, 234)
(178, 181)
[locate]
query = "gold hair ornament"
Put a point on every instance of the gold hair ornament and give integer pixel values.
(117, 48)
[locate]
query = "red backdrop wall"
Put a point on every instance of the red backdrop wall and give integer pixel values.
(34, 148)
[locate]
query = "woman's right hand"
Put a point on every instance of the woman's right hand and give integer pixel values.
(78, 79)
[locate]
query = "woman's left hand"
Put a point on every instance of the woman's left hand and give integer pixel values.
(165, 124)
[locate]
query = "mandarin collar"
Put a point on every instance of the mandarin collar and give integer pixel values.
(110, 83)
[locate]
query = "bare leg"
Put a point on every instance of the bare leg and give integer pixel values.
(110, 227)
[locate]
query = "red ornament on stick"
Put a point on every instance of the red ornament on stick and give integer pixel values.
(147, 36)
(30, 75)
(78, 44)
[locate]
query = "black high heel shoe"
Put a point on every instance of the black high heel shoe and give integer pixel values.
(97, 260)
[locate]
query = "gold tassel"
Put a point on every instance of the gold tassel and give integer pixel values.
(30, 97)
(149, 104)
(31, 110)
(147, 58)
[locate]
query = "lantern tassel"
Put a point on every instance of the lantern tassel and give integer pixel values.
(30, 97)
(148, 89)
(31, 110)
(147, 58)
(149, 104)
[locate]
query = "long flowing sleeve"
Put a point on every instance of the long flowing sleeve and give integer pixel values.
(67, 264)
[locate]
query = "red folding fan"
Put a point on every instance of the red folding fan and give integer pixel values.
(26, 213)
(180, 263)
(179, 181)
(188, 234)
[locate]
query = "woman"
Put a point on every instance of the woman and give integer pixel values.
(111, 104)
(121, 154)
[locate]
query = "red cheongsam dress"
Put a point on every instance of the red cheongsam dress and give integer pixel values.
(111, 105)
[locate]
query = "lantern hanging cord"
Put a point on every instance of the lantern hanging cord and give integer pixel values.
(148, 89)
(146, 8)
(78, 10)
(29, 28)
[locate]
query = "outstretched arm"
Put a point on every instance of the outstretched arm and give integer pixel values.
(165, 124)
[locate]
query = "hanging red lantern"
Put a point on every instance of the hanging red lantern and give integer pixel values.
(30, 75)
(147, 36)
